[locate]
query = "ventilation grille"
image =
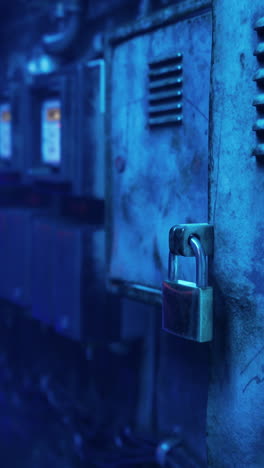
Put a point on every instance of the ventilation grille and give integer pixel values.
(165, 91)
(258, 102)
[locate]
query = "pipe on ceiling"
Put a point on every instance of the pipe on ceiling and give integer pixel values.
(60, 42)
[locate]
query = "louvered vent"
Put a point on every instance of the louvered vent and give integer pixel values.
(165, 91)
(259, 98)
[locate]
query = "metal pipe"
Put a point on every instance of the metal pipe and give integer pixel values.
(172, 267)
(60, 42)
(147, 289)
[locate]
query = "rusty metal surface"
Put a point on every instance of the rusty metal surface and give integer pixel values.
(163, 17)
(164, 176)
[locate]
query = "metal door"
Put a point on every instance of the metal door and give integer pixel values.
(158, 144)
(158, 74)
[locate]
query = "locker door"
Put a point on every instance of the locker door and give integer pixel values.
(158, 148)
(20, 256)
(42, 271)
(158, 100)
(67, 280)
(4, 254)
(79, 290)
(16, 254)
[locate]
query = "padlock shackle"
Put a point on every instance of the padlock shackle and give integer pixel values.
(172, 266)
(201, 263)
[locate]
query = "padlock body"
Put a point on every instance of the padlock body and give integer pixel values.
(187, 310)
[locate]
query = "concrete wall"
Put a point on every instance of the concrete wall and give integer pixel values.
(236, 398)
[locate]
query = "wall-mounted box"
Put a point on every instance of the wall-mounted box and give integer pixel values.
(158, 82)
(11, 134)
(50, 138)
(49, 129)
(5, 131)
(65, 129)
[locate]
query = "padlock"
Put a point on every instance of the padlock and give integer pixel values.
(187, 308)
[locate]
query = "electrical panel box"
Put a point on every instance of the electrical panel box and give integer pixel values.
(11, 134)
(5, 131)
(51, 133)
(16, 255)
(49, 129)
(64, 129)
(69, 279)
(157, 153)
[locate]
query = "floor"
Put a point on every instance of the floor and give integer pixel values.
(32, 436)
